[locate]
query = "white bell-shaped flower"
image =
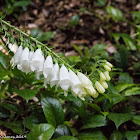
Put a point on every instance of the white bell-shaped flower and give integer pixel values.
(31, 53)
(25, 62)
(17, 56)
(64, 78)
(82, 93)
(48, 68)
(90, 90)
(84, 80)
(55, 76)
(37, 63)
(75, 82)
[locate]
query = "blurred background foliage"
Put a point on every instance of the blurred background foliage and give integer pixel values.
(79, 31)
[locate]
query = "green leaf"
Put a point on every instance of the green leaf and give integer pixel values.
(9, 106)
(95, 121)
(74, 20)
(95, 135)
(115, 13)
(26, 93)
(3, 74)
(15, 126)
(101, 2)
(78, 49)
(3, 59)
(41, 132)
(21, 3)
(122, 86)
(46, 36)
(61, 130)
(66, 138)
(136, 119)
(132, 135)
(136, 16)
(53, 111)
(32, 121)
(119, 118)
(125, 77)
(116, 135)
(133, 91)
(4, 113)
(129, 42)
(36, 33)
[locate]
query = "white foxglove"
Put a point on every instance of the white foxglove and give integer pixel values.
(55, 76)
(25, 62)
(82, 93)
(90, 90)
(84, 80)
(75, 82)
(64, 78)
(37, 62)
(17, 56)
(31, 55)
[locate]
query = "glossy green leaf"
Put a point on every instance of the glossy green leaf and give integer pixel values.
(74, 20)
(53, 111)
(26, 93)
(132, 91)
(15, 126)
(129, 42)
(66, 138)
(115, 13)
(101, 2)
(132, 135)
(3, 59)
(119, 118)
(9, 106)
(136, 119)
(116, 135)
(122, 86)
(95, 135)
(61, 130)
(95, 121)
(41, 132)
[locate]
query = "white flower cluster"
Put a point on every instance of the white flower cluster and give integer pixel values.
(29, 61)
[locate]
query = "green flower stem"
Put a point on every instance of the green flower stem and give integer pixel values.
(35, 40)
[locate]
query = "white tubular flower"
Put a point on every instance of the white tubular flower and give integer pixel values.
(13, 47)
(84, 80)
(82, 93)
(37, 62)
(55, 77)
(106, 73)
(102, 76)
(25, 62)
(17, 57)
(48, 68)
(64, 78)
(75, 82)
(99, 87)
(107, 68)
(104, 84)
(31, 55)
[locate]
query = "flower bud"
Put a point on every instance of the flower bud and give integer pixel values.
(106, 73)
(90, 90)
(107, 68)
(104, 84)
(95, 95)
(64, 78)
(55, 76)
(102, 76)
(84, 80)
(99, 87)
(82, 93)
(109, 64)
